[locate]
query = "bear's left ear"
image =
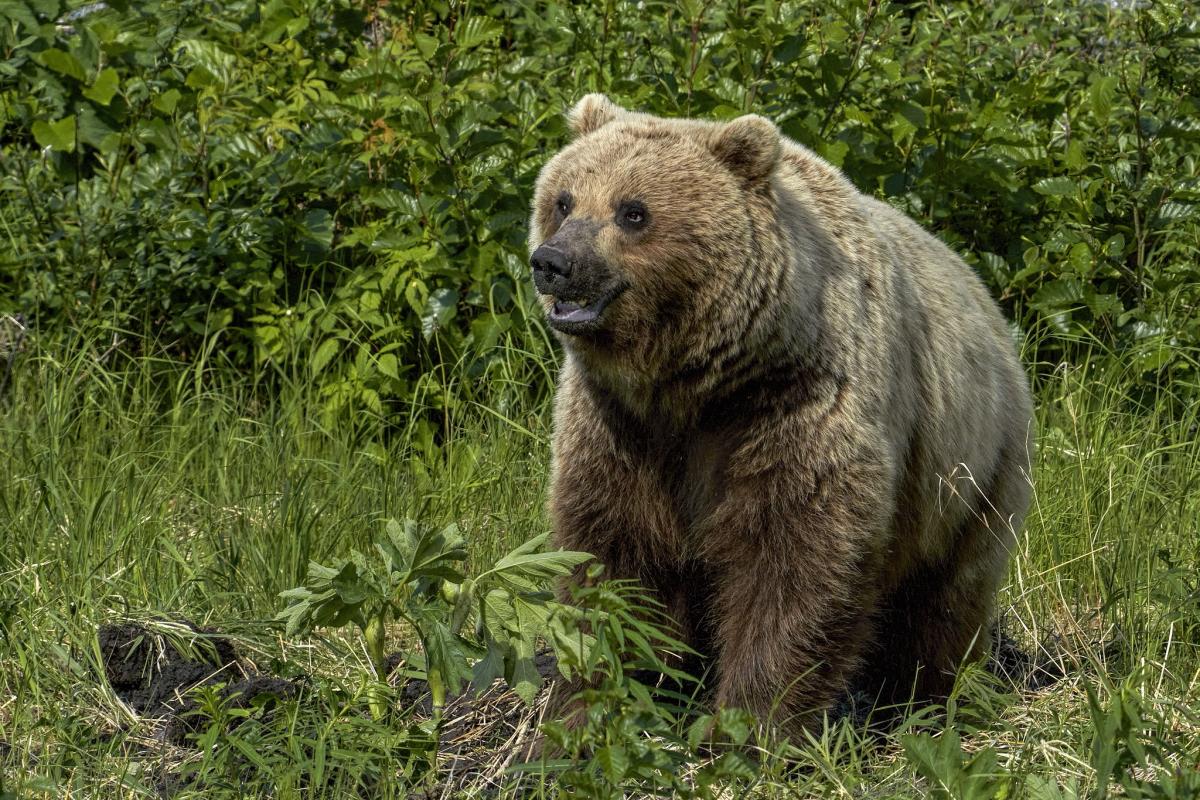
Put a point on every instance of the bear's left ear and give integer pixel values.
(748, 145)
(593, 111)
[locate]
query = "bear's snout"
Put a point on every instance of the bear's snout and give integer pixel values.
(551, 268)
(567, 264)
(568, 268)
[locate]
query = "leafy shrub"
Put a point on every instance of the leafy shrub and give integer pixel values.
(472, 631)
(416, 579)
(654, 740)
(337, 191)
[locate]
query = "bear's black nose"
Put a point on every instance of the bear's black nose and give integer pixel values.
(550, 263)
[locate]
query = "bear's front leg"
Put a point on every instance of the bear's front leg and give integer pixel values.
(796, 556)
(607, 492)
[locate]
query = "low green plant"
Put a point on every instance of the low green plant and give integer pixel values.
(953, 774)
(1128, 752)
(643, 725)
(322, 743)
(417, 579)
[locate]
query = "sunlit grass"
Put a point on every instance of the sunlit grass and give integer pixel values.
(136, 488)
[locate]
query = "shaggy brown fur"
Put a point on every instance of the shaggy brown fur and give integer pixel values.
(799, 418)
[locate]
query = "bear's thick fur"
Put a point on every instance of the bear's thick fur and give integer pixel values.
(786, 408)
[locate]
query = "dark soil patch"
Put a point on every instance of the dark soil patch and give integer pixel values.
(1020, 669)
(150, 673)
(153, 675)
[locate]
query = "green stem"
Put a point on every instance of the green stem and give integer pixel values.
(437, 694)
(437, 690)
(375, 649)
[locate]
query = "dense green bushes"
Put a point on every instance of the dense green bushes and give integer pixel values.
(339, 189)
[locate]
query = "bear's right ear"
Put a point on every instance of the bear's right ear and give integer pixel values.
(592, 112)
(749, 146)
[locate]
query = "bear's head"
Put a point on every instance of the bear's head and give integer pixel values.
(641, 226)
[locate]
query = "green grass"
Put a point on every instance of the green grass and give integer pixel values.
(138, 489)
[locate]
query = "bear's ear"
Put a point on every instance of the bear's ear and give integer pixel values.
(748, 145)
(592, 112)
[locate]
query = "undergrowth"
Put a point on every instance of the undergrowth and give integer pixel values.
(149, 491)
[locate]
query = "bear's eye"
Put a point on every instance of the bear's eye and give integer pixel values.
(563, 204)
(632, 216)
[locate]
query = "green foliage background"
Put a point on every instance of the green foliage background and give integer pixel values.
(228, 222)
(337, 191)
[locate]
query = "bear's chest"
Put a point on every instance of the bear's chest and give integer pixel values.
(682, 473)
(693, 474)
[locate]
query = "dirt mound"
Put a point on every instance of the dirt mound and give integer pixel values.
(150, 669)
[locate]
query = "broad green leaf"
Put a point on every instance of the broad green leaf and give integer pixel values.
(835, 152)
(994, 268)
(439, 310)
(526, 681)
(443, 651)
(1059, 294)
(323, 355)
(902, 128)
(92, 129)
(318, 227)
(1104, 303)
(487, 328)
(435, 552)
(16, 11)
(532, 617)
(613, 760)
(167, 101)
(395, 547)
(1177, 211)
(524, 568)
(1056, 187)
(498, 612)
(50, 9)
(487, 669)
(426, 44)
(573, 645)
(63, 63)
(1038, 787)
(1102, 92)
(389, 365)
(1076, 156)
(914, 114)
(319, 573)
(349, 586)
(1081, 259)
(217, 63)
(58, 135)
(104, 87)
(477, 30)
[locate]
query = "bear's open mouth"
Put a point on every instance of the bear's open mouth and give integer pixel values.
(581, 314)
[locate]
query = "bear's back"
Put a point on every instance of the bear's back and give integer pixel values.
(919, 335)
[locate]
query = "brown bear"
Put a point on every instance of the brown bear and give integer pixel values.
(784, 407)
